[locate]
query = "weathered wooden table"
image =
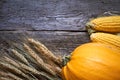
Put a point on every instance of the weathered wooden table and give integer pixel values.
(59, 24)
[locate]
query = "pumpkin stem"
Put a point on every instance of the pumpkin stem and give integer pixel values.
(118, 34)
(65, 59)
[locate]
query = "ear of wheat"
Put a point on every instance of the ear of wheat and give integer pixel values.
(33, 62)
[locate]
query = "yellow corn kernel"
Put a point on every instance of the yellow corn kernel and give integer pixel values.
(106, 38)
(106, 24)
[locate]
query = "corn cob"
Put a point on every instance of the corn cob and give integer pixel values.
(105, 24)
(106, 38)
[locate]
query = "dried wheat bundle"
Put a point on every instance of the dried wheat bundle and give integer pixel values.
(34, 61)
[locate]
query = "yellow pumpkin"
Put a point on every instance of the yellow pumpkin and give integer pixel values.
(92, 61)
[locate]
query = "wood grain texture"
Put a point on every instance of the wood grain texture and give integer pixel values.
(59, 24)
(52, 14)
(59, 42)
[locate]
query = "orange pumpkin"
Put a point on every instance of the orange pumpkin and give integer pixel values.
(93, 61)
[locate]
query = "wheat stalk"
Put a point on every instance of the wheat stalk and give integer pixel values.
(10, 61)
(39, 60)
(5, 78)
(20, 56)
(28, 57)
(9, 75)
(34, 71)
(23, 67)
(41, 48)
(44, 50)
(4, 65)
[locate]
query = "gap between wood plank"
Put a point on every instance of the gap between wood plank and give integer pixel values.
(45, 30)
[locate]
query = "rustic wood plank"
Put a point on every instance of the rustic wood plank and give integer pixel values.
(52, 14)
(59, 24)
(59, 42)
